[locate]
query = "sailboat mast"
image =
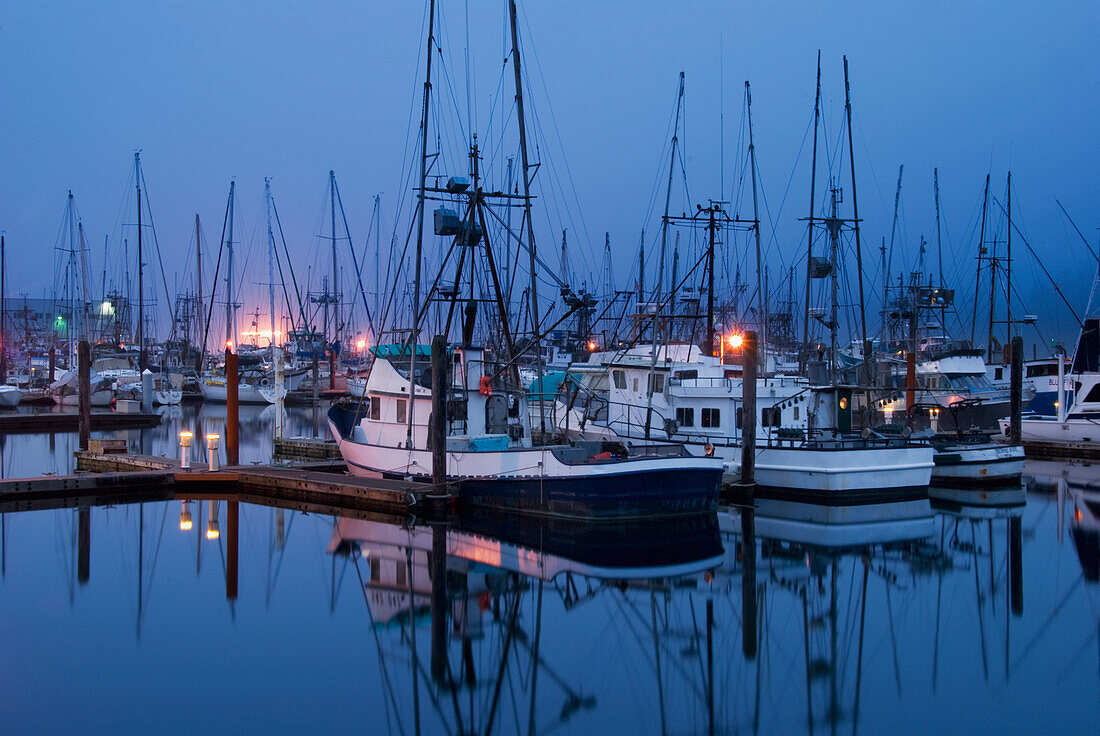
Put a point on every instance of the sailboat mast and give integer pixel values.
(414, 334)
(981, 250)
(864, 347)
(198, 272)
(939, 240)
(810, 229)
(230, 297)
(1008, 263)
(270, 263)
(141, 270)
(712, 227)
(761, 299)
(334, 297)
(534, 294)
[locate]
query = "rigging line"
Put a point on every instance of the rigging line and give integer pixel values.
(1040, 262)
(293, 278)
(214, 287)
(354, 259)
(1071, 222)
(160, 261)
(526, 246)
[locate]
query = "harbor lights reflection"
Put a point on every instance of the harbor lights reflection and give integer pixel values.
(185, 516)
(212, 530)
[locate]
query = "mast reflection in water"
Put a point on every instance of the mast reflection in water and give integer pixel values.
(213, 614)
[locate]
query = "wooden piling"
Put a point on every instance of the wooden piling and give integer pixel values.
(84, 544)
(439, 600)
(316, 389)
(332, 370)
(439, 418)
(53, 363)
(748, 412)
(748, 583)
(232, 410)
(231, 547)
(84, 391)
(1016, 564)
(1016, 390)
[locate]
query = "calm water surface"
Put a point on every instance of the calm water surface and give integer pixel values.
(114, 620)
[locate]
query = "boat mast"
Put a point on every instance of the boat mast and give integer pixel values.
(981, 251)
(334, 296)
(141, 270)
(761, 299)
(939, 241)
(712, 228)
(414, 334)
(661, 265)
(1008, 263)
(270, 263)
(534, 295)
(230, 306)
(864, 347)
(198, 305)
(810, 230)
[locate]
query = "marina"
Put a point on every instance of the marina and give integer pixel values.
(449, 368)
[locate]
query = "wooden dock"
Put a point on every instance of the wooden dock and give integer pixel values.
(57, 421)
(305, 449)
(109, 472)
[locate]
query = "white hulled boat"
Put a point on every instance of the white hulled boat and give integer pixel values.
(489, 451)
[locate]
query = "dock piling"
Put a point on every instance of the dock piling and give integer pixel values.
(84, 544)
(231, 558)
(147, 391)
(185, 449)
(748, 583)
(53, 363)
(1016, 390)
(438, 428)
(84, 390)
(1016, 564)
(439, 601)
(748, 413)
(212, 451)
(232, 409)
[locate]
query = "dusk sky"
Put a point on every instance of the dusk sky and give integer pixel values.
(244, 90)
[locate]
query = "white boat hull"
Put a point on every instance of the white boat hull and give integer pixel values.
(247, 393)
(984, 463)
(10, 396)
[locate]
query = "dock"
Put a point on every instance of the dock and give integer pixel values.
(111, 472)
(305, 449)
(53, 422)
(1074, 450)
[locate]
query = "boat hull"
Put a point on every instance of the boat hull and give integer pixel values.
(977, 464)
(246, 393)
(10, 396)
(537, 481)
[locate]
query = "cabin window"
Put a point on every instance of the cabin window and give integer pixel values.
(686, 374)
(375, 408)
(620, 379)
(998, 373)
(402, 579)
(771, 416)
(685, 417)
(796, 413)
(739, 417)
(1094, 394)
(711, 418)
(375, 570)
(657, 383)
(401, 415)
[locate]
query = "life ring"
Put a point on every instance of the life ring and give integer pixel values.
(708, 450)
(485, 386)
(265, 382)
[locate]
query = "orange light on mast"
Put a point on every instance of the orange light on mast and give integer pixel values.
(592, 346)
(361, 344)
(735, 341)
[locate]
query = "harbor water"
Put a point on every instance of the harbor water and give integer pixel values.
(120, 619)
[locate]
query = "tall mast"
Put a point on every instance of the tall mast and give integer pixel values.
(1008, 263)
(834, 224)
(141, 268)
(810, 230)
(230, 297)
(887, 254)
(270, 263)
(864, 347)
(414, 334)
(534, 294)
(200, 312)
(761, 300)
(939, 241)
(992, 259)
(653, 336)
(508, 234)
(84, 319)
(981, 251)
(712, 228)
(377, 254)
(334, 297)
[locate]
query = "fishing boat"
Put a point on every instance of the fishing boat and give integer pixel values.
(250, 389)
(10, 395)
(65, 391)
(490, 456)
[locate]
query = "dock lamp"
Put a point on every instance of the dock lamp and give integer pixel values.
(185, 449)
(212, 451)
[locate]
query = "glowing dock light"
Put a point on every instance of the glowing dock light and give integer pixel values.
(736, 341)
(185, 517)
(212, 529)
(212, 448)
(185, 447)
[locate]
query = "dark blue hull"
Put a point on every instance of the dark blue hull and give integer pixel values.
(626, 496)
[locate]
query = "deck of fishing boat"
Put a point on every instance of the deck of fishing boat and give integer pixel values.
(122, 478)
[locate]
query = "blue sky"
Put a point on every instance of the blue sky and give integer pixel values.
(213, 91)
